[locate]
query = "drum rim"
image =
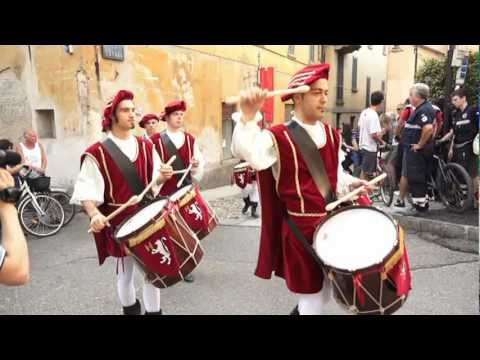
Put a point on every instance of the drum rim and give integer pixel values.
(144, 226)
(365, 269)
(245, 166)
(193, 187)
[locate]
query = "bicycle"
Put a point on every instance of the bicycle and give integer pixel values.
(448, 183)
(40, 214)
(386, 187)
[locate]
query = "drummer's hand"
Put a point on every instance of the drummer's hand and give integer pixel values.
(98, 222)
(251, 101)
(368, 188)
(194, 163)
(166, 171)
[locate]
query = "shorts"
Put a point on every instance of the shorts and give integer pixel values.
(369, 161)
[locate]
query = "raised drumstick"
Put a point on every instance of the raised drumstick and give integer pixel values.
(354, 193)
(298, 90)
(135, 199)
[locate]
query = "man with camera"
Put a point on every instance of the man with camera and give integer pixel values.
(14, 261)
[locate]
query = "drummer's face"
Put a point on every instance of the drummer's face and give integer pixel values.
(175, 119)
(314, 102)
(125, 115)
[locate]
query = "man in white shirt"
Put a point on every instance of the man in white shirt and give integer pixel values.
(286, 187)
(370, 133)
(101, 187)
(174, 140)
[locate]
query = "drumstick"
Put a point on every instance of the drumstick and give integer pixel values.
(142, 194)
(298, 90)
(187, 170)
(135, 199)
(354, 193)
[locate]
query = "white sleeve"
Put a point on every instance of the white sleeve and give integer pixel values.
(197, 173)
(344, 179)
(89, 185)
(156, 171)
(252, 144)
(374, 124)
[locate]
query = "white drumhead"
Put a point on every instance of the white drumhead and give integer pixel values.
(241, 166)
(355, 239)
(141, 218)
(177, 195)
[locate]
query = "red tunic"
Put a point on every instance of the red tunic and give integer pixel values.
(296, 194)
(186, 153)
(117, 191)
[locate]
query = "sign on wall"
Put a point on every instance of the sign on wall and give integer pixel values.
(113, 52)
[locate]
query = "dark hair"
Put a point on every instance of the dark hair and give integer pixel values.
(5, 144)
(376, 98)
(407, 102)
(461, 93)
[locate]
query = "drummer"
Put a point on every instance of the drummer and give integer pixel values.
(285, 183)
(149, 122)
(101, 187)
(174, 140)
(245, 179)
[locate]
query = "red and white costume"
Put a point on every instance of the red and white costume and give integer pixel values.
(186, 146)
(287, 188)
(100, 180)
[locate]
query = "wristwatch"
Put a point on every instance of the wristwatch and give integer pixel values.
(3, 252)
(10, 195)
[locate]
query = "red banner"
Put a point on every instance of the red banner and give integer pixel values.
(266, 82)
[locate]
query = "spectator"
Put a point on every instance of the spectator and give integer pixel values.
(14, 262)
(418, 147)
(464, 129)
(347, 147)
(33, 153)
(356, 155)
(405, 114)
(370, 134)
(6, 144)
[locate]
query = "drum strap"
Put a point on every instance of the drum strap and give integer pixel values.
(178, 163)
(298, 234)
(129, 171)
(313, 159)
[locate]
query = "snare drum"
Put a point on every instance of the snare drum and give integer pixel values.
(195, 210)
(365, 258)
(160, 242)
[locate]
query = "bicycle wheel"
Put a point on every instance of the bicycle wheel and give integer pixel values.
(387, 186)
(64, 199)
(456, 188)
(34, 223)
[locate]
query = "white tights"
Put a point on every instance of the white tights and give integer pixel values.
(126, 288)
(314, 304)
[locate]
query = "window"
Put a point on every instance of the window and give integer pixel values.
(337, 123)
(354, 74)
(288, 112)
(45, 123)
(227, 130)
(352, 122)
(340, 62)
(367, 97)
(312, 53)
(323, 54)
(113, 52)
(291, 50)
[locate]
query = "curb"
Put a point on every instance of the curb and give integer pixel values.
(452, 236)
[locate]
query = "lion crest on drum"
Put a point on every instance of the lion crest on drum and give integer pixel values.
(241, 178)
(194, 209)
(161, 248)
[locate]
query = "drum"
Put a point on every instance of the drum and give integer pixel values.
(160, 242)
(195, 210)
(242, 174)
(365, 258)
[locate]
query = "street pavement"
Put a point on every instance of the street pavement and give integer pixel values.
(66, 278)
